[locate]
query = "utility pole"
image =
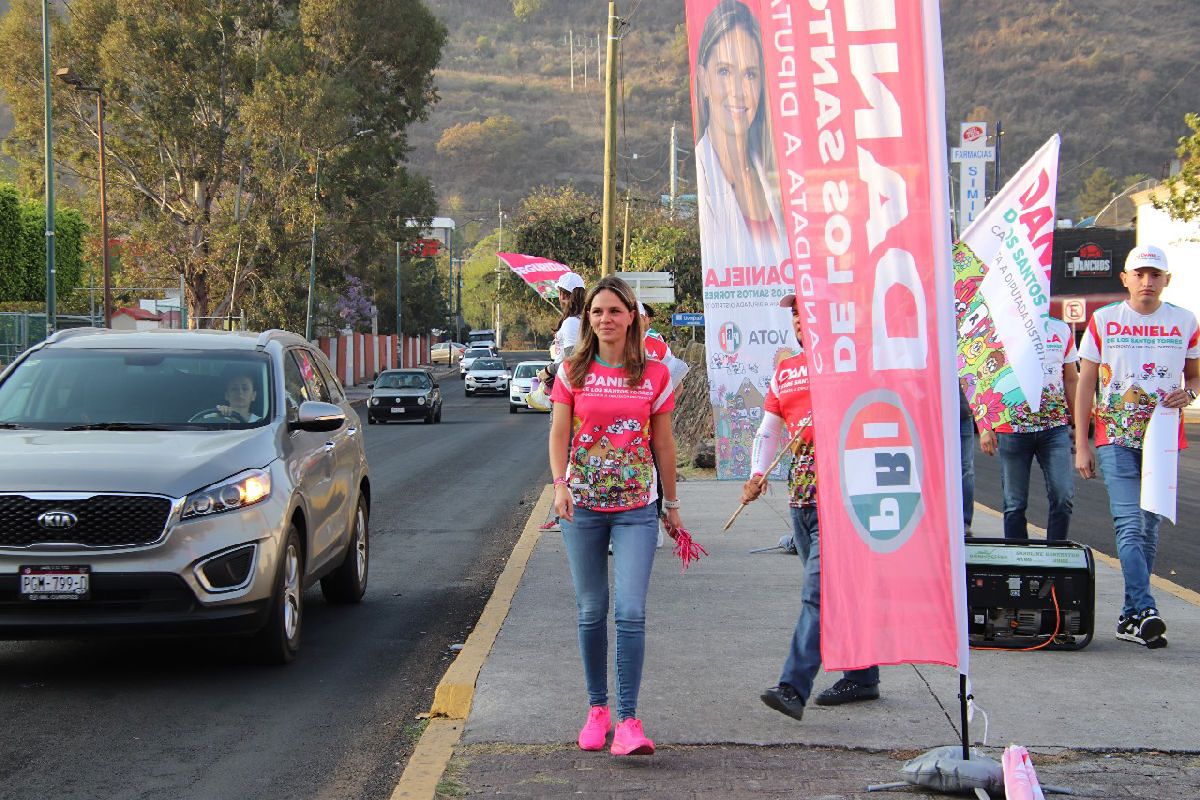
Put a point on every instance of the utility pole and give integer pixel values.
(571, 36)
(51, 300)
(996, 170)
(399, 327)
(610, 145)
(499, 249)
(625, 237)
(674, 170)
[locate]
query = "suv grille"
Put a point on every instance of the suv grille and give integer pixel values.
(103, 520)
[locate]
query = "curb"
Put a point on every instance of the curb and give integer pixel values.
(455, 692)
(1182, 592)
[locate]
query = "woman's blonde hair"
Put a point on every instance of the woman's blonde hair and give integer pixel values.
(634, 358)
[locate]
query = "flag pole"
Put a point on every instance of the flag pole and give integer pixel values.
(763, 478)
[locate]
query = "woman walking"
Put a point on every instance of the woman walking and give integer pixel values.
(611, 423)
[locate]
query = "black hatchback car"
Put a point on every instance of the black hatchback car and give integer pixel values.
(400, 394)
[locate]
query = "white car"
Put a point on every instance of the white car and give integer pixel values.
(522, 382)
(487, 374)
(468, 358)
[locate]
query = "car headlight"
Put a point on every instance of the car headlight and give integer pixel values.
(420, 401)
(244, 489)
(374, 401)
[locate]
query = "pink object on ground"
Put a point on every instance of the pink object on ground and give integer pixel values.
(595, 730)
(686, 549)
(1020, 779)
(629, 739)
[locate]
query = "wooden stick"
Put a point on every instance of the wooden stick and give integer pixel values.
(763, 478)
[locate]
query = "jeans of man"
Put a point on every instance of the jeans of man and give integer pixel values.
(804, 658)
(966, 433)
(1052, 448)
(1137, 530)
(633, 535)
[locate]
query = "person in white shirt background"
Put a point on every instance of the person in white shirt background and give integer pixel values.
(1135, 355)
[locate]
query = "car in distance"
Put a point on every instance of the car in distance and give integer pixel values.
(469, 357)
(486, 375)
(399, 394)
(522, 382)
(177, 482)
(482, 338)
(446, 352)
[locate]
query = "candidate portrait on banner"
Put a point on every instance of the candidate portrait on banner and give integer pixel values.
(742, 236)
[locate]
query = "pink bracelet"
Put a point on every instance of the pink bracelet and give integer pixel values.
(560, 482)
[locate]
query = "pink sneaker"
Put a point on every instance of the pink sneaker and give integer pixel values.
(595, 730)
(629, 739)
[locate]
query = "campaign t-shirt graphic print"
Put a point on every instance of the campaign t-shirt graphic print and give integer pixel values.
(610, 466)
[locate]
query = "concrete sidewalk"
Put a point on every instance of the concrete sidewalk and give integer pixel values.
(718, 635)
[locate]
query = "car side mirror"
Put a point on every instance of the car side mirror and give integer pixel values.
(370, 386)
(318, 417)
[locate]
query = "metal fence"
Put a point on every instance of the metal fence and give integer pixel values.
(19, 330)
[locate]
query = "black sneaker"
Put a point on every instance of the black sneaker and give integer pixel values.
(784, 699)
(1146, 628)
(1151, 628)
(847, 691)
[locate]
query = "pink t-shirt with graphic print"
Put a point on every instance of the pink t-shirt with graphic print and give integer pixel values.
(1141, 359)
(610, 466)
(1060, 354)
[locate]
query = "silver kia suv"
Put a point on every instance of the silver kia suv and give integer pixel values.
(177, 482)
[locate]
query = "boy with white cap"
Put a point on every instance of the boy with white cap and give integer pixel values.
(1138, 351)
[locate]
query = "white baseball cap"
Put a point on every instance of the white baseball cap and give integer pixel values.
(1146, 256)
(569, 282)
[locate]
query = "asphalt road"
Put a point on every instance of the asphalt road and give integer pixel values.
(1091, 522)
(196, 719)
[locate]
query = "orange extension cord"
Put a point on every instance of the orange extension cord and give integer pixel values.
(1057, 625)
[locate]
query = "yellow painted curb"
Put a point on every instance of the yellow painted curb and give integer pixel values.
(1182, 592)
(428, 763)
(453, 696)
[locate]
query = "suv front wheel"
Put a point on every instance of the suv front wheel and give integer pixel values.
(279, 641)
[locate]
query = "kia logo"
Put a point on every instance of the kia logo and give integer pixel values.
(57, 519)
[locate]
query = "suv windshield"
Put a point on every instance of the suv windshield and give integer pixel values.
(402, 380)
(487, 364)
(91, 389)
(527, 370)
(477, 352)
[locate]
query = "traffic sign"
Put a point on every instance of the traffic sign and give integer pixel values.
(688, 319)
(1074, 310)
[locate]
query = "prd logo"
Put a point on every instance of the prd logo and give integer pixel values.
(881, 470)
(729, 337)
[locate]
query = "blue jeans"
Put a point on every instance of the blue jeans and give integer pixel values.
(633, 535)
(1052, 447)
(1137, 530)
(966, 435)
(804, 659)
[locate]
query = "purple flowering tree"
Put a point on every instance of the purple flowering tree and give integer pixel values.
(354, 309)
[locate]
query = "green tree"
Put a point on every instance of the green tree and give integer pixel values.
(212, 107)
(1098, 189)
(1183, 190)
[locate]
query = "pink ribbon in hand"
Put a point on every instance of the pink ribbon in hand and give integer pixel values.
(686, 549)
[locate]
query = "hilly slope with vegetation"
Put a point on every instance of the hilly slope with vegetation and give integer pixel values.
(1114, 77)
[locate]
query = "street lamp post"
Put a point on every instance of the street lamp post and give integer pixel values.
(75, 82)
(312, 254)
(51, 310)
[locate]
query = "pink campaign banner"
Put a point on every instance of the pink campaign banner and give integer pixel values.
(856, 91)
(539, 273)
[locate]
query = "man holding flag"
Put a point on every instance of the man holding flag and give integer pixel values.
(788, 407)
